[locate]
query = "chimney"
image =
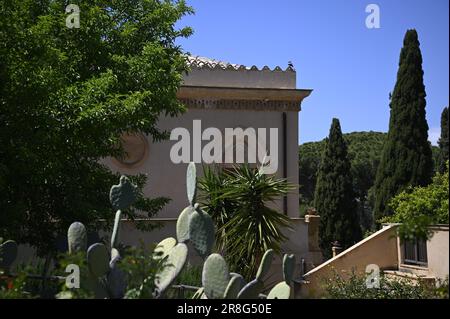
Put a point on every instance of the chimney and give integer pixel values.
(336, 248)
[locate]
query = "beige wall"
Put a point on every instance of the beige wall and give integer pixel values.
(168, 179)
(379, 248)
(241, 78)
(438, 251)
(437, 255)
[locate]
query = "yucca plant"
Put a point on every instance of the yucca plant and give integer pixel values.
(221, 209)
(239, 201)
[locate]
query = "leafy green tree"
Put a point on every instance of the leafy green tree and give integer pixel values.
(407, 158)
(416, 208)
(67, 95)
(334, 197)
(443, 141)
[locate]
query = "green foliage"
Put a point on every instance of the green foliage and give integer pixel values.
(141, 266)
(238, 202)
(213, 186)
(364, 152)
(407, 157)
(355, 287)
(443, 141)
(419, 207)
(15, 287)
(191, 275)
(67, 95)
(75, 258)
(334, 197)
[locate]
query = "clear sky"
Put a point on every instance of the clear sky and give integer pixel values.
(351, 68)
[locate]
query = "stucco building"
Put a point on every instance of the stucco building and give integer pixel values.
(223, 95)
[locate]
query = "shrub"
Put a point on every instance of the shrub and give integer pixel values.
(354, 287)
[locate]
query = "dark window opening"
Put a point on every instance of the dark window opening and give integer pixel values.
(415, 252)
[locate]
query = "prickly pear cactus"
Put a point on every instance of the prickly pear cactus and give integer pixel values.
(115, 255)
(240, 278)
(116, 280)
(201, 232)
(235, 285)
(164, 247)
(116, 229)
(183, 224)
(123, 195)
(98, 260)
(175, 262)
(264, 267)
(281, 291)
(8, 253)
(288, 267)
(215, 276)
(191, 183)
(251, 290)
(76, 237)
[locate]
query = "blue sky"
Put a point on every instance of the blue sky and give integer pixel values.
(351, 68)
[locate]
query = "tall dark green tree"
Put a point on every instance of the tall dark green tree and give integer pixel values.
(443, 141)
(407, 158)
(334, 197)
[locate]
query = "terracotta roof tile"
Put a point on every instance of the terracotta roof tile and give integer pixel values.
(203, 62)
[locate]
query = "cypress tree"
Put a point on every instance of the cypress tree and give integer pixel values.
(443, 141)
(334, 198)
(407, 158)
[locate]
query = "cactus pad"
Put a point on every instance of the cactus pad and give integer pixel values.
(251, 290)
(164, 247)
(288, 267)
(116, 229)
(183, 224)
(281, 291)
(115, 255)
(215, 276)
(76, 237)
(264, 267)
(191, 183)
(201, 232)
(8, 253)
(233, 288)
(123, 195)
(117, 282)
(242, 280)
(175, 262)
(98, 260)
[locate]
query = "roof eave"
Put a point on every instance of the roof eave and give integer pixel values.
(230, 93)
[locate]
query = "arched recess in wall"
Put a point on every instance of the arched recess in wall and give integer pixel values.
(136, 147)
(248, 152)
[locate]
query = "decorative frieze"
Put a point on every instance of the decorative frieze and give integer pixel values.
(254, 105)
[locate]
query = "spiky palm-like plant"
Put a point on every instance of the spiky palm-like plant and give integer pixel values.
(240, 202)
